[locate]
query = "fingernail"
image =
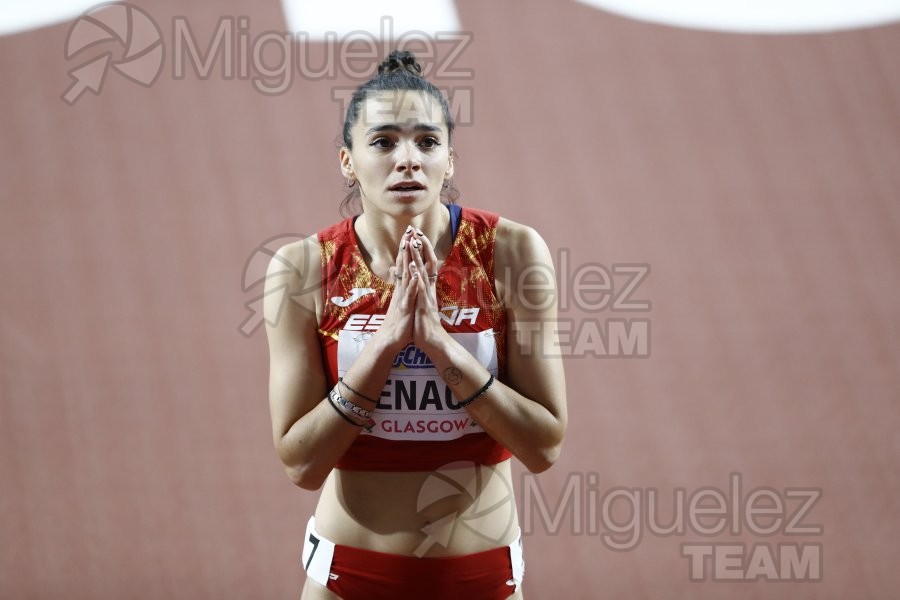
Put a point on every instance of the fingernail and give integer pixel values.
(403, 245)
(409, 228)
(418, 244)
(419, 231)
(416, 275)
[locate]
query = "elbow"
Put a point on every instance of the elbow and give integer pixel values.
(546, 456)
(544, 459)
(299, 470)
(303, 478)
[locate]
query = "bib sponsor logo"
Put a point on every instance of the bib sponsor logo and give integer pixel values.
(412, 358)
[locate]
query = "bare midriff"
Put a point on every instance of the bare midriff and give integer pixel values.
(380, 510)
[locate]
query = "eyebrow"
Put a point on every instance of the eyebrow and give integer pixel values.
(395, 127)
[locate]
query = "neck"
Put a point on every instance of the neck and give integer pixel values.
(380, 232)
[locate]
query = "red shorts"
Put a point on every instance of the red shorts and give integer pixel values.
(359, 574)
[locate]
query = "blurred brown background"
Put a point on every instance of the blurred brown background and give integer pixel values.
(757, 175)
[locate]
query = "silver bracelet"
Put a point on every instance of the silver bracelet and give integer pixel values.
(334, 400)
(356, 409)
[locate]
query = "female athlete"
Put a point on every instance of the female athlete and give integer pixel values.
(416, 358)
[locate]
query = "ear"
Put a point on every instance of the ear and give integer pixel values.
(346, 164)
(449, 172)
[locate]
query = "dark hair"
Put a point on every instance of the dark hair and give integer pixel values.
(398, 72)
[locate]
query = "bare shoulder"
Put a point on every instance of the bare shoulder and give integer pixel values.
(301, 253)
(520, 256)
(517, 241)
(296, 269)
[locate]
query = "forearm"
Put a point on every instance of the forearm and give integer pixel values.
(317, 441)
(524, 426)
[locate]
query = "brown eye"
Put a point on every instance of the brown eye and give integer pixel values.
(381, 142)
(429, 143)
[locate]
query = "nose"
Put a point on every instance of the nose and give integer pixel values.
(408, 158)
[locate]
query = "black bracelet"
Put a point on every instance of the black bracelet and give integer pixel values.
(340, 412)
(472, 398)
(341, 380)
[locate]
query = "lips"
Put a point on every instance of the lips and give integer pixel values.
(406, 186)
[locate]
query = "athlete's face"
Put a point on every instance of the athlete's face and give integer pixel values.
(401, 154)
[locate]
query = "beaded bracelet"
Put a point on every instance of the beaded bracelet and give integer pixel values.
(364, 397)
(472, 398)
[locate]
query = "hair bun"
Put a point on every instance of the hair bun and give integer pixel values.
(400, 60)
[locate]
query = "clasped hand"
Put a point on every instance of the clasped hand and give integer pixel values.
(412, 315)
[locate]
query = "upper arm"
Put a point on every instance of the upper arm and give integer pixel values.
(296, 373)
(527, 282)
